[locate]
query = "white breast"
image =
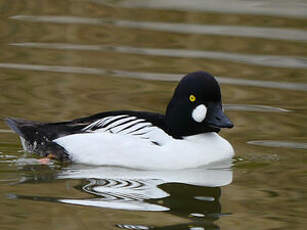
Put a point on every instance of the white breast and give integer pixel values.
(131, 151)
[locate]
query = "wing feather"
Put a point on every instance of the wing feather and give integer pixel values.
(128, 125)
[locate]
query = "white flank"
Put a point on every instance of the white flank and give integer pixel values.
(134, 152)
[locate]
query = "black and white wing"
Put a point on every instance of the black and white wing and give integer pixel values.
(138, 124)
(38, 137)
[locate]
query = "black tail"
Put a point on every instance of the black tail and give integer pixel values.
(36, 138)
(22, 127)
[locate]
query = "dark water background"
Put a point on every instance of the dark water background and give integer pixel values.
(66, 59)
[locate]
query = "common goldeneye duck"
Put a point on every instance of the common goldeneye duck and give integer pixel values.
(185, 137)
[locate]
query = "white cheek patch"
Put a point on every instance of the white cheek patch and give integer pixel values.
(199, 113)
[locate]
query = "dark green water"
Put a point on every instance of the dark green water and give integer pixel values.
(66, 59)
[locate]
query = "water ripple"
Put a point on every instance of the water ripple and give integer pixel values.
(294, 8)
(285, 144)
(6, 131)
(244, 31)
(152, 76)
(254, 108)
(264, 60)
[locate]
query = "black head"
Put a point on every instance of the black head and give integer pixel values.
(196, 106)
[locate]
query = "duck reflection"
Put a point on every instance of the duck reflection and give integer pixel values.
(198, 203)
(151, 195)
(125, 194)
(192, 194)
(193, 201)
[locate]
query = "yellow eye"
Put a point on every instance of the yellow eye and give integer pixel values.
(192, 98)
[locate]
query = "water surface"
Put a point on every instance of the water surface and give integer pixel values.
(66, 59)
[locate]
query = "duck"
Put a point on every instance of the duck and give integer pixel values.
(187, 136)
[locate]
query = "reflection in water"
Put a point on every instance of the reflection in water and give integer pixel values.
(183, 193)
(190, 193)
(130, 189)
(264, 60)
(121, 194)
(244, 31)
(200, 204)
(214, 175)
(129, 226)
(152, 76)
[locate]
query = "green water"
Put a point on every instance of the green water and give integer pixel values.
(61, 60)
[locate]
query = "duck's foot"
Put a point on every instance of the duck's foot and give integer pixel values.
(46, 160)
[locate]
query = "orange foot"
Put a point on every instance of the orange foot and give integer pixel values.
(46, 160)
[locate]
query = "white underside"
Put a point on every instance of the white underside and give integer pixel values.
(133, 152)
